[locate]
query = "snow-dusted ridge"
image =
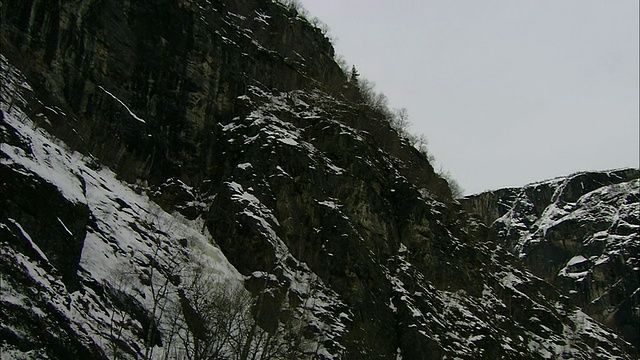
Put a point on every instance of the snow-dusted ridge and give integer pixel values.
(580, 232)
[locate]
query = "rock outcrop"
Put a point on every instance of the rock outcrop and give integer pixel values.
(168, 152)
(580, 233)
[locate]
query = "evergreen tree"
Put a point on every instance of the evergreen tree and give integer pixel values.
(353, 78)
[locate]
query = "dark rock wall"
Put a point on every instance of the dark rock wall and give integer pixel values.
(342, 216)
(179, 65)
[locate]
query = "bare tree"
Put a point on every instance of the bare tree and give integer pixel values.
(161, 276)
(159, 282)
(198, 314)
(296, 7)
(217, 322)
(123, 304)
(342, 63)
(457, 191)
(119, 319)
(210, 309)
(400, 121)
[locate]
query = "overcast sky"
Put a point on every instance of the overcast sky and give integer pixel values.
(507, 92)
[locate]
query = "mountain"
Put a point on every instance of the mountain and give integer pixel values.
(580, 233)
(200, 179)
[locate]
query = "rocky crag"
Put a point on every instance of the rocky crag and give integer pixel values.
(157, 154)
(581, 233)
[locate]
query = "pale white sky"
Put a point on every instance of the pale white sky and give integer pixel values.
(507, 92)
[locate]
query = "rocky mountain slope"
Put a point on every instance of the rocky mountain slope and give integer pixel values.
(582, 234)
(199, 179)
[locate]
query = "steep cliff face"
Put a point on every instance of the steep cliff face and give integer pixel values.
(155, 78)
(149, 145)
(580, 233)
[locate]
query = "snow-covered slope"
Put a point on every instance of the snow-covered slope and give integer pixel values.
(125, 242)
(581, 233)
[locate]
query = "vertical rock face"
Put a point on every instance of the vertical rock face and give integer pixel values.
(582, 234)
(175, 140)
(157, 77)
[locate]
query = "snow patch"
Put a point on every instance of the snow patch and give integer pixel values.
(123, 104)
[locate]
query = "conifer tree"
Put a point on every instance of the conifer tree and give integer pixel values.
(353, 78)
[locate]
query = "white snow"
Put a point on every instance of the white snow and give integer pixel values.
(26, 236)
(288, 141)
(123, 104)
(64, 226)
(510, 280)
(578, 259)
(47, 159)
(332, 204)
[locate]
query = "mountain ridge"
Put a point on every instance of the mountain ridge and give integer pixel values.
(579, 232)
